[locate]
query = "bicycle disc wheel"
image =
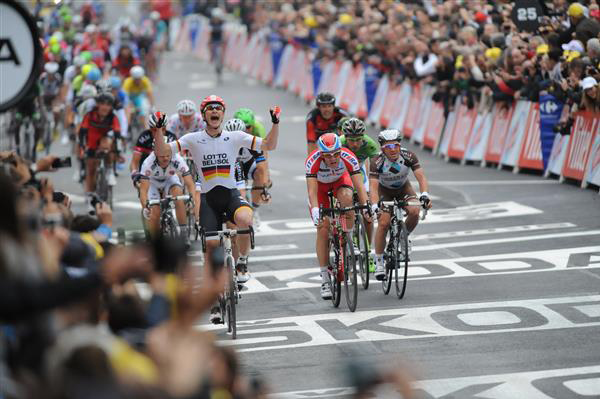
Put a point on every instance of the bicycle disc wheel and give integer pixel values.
(401, 263)
(350, 275)
(336, 284)
(362, 241)
(230, 301)
(388, 260)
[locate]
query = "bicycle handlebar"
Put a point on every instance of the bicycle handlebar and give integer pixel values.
(230, 233)
(398, 203)
(169, 198)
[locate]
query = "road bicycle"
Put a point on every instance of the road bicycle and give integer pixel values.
(342, 265)
(103, 189)
(361, 242)
(228, 301)
(396, 256)
(168, 218)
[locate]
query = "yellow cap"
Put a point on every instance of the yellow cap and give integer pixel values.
(459, 62)
(575, 10)
(310, 21)
(493, 53)
(542, 49)
(345, 19)
(53, 40)
(571, 55)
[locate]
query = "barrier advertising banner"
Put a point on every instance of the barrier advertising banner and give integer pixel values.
(378, 103)
(372, 77)
(530, 156)
(412, 114)
(515, 133)
(424, 115)
(400, 107)
(593, 168)
(479, 136)
(441, 148)
(584, 131)
(550, 111)
(461, 132)
(435, 124)
(557, 156)
(497, 136)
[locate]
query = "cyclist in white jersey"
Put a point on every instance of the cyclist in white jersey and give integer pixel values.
(214, 153)
(186, 120)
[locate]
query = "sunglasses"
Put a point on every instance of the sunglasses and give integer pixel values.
(391, 146)
(214, 107)
(332, 154)
(248, 127)
(354, 139)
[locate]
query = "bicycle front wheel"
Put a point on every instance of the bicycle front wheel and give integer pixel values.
(389, 260)
(401, 263)
(230, 301)
(362, 241)
(350, 276)
(336, 284)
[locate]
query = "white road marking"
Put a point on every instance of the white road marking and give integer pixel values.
(260, 248)
(493, 386)
(486, 211)
(409, 323)
(492, 230)
(491, 182)
(472, 266)
(434, 247)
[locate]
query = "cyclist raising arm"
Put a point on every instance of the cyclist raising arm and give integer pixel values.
(389, 180)
(214, 152)
(336, 169)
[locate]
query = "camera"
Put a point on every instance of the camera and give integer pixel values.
(94, 200)
(61, 163)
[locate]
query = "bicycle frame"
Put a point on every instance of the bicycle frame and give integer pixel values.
(167, 210)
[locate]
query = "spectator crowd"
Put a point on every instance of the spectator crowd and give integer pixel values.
(472, 49)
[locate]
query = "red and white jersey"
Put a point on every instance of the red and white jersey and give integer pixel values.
(316, 166)
(176, 126)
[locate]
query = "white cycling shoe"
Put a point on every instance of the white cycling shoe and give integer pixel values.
(241, 270)
(110, 178)
(379, 271)
(325, 291)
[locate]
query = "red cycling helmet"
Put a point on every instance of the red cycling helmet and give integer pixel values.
(329, 142)
(212, 99)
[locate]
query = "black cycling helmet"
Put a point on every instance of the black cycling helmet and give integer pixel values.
(353, 127)
(105, 98)
(325, 98)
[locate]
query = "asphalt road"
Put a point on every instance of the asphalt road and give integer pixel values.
(503, 297)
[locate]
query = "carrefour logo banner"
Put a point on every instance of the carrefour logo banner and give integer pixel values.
(550, 111)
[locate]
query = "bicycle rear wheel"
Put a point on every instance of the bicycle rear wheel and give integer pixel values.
(230, 301)
(350, 276)
(389, 259)
(336, 284)
(362, 241)
(401, 263)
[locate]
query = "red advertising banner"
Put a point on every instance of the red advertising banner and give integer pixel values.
(414, 107)
(461, 132)
(530, 156)
(435, 124)
(584, 130)
(500, 125)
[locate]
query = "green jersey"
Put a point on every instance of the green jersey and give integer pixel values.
(368, 149)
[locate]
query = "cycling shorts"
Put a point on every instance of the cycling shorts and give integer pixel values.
(218, 206)
(388, 194)
(156, 188)
(324, 188)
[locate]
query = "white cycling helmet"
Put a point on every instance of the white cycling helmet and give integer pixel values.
(233, 125)
(104, 86)
(91, 28)
(389, 135)
(186, 107)
(78, 61)
(51, 67)
(88, 91)
(137, 72)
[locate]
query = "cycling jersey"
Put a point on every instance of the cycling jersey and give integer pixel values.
(94, 128)
(317, 126)
(391, 174)
(123, 66)
(215, 157)
(176, 126)
(145, 144)
(316, 167)
(152, 171)
(367, 150)
(133, 88)
(50, 87)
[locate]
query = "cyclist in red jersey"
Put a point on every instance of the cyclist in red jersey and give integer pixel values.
(94, 135)
(322, 119)
(331, 167)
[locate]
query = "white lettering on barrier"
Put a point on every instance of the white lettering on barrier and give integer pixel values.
(580, 145)
(531, 153)
(593, 174)
(515, 133)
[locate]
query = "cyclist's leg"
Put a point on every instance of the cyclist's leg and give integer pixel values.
(344, 189)
(174, 187)
(368, 224)
(322, 241)
(412, 212)
(239, 212)
(383, 225)
(91, 164)
(210, 220)
(154, 220)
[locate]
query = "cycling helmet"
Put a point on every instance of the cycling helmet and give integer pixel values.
(115, 82)
(86, 55)
(137, 72)
(212, 99)
(186, 107)
(105, 98)
(389, 135)
(353, 127)
(59, 36)
(88, 91)
(329, 142)
(94, 75)
(157, 120)
(91, 28)
(235, 124)
(86, 69)
(155, 15)
(78, 61)
(216, 13)
(51, 67)
(104, 86)
(246, 115)
(325, 98)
